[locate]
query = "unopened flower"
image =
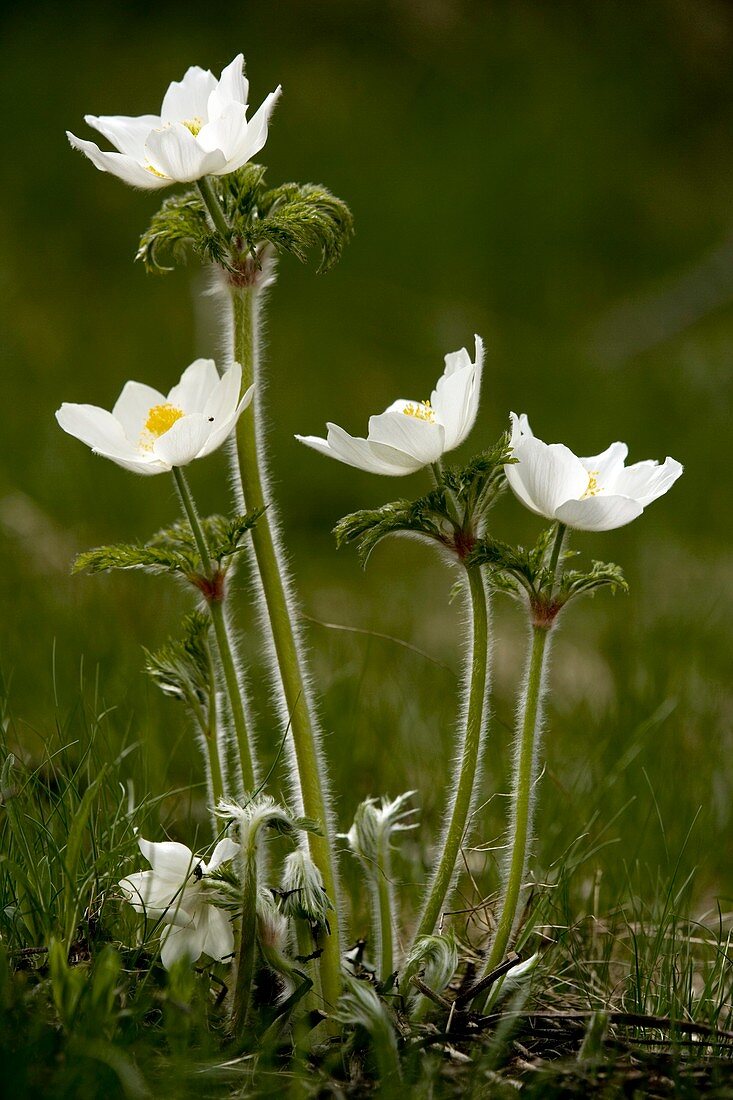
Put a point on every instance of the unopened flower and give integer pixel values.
(150, 433)
(202, 130)
(180, 892)
(302, 894)
(374, 822)
(412, 434)
(589, 494)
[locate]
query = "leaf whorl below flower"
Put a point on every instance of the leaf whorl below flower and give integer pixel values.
(525, 574)
(181, 668)
(294, 218)
(451, 514)
(172, 550)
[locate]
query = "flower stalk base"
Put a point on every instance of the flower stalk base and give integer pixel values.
(465, 785)
(307, 768)
(522, 796)
(224, 644)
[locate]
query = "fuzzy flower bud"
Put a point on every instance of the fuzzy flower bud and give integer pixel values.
(303, 895)
(436, 957)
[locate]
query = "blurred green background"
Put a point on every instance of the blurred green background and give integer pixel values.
(557, 178)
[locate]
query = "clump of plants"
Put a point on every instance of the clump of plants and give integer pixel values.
(262, 903)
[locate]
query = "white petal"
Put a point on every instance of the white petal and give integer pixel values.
(156, 898)
(226, 425)
(517, 486)
(133, 407)
(647, 481)
(255, 136)
(224, 397)
(146, 891)
(182, 943)
(119, 164)
(144, 464)
(219, 940)
(601, 513)
(420, 439)
(196, 386)
(520, 429)
(455, 398)
(183, 441)
(451, 399)
(224, 408)
(607, 466)
(232, 87)
(188, 99)
(227, 132)
(168, 858)
(96, 427)
(225, 850)
(176, 152)
(549, 474)
(128, 134)
(383, 458)
(359, 453)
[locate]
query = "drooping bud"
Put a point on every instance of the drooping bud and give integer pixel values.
(303, 895)
(436, 957)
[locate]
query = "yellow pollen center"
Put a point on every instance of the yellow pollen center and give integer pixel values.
(593, 488)
(193, 124)
(160, 419)
(155, 172)
(422, 411)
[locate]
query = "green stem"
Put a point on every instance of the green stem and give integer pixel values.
(465, 781)
(215, 783)
(308, 772)
(212, 740)
(384, 907)
(208, 194)
(557, 548)
(221, 632)
(247, 947)
(522, 796)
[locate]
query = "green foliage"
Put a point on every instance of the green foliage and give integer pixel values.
(361, 1007)
(366, 529)
(172, 550)
(182, 667)
(451, 515)
(299, 218)
(531, 574)
(575, 582)
(63, 834)
(293, 218)
(180, 225)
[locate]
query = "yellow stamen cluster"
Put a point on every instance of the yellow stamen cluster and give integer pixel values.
(593, 487)
(155, 172)
(193, 124)
(423, 411)
(160, 419)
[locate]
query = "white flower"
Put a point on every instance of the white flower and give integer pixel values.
(412, 434)
(150, 433)
(589, 494)
(202, 130)
(179, 892)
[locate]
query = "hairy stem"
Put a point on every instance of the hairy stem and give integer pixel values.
(307, 767)
(211, 202)
(223, 640)
(465, 779)
(557, 548)
(212, 739)
(247, 946)
(384, 907)
(522, 796)
(207, 727)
